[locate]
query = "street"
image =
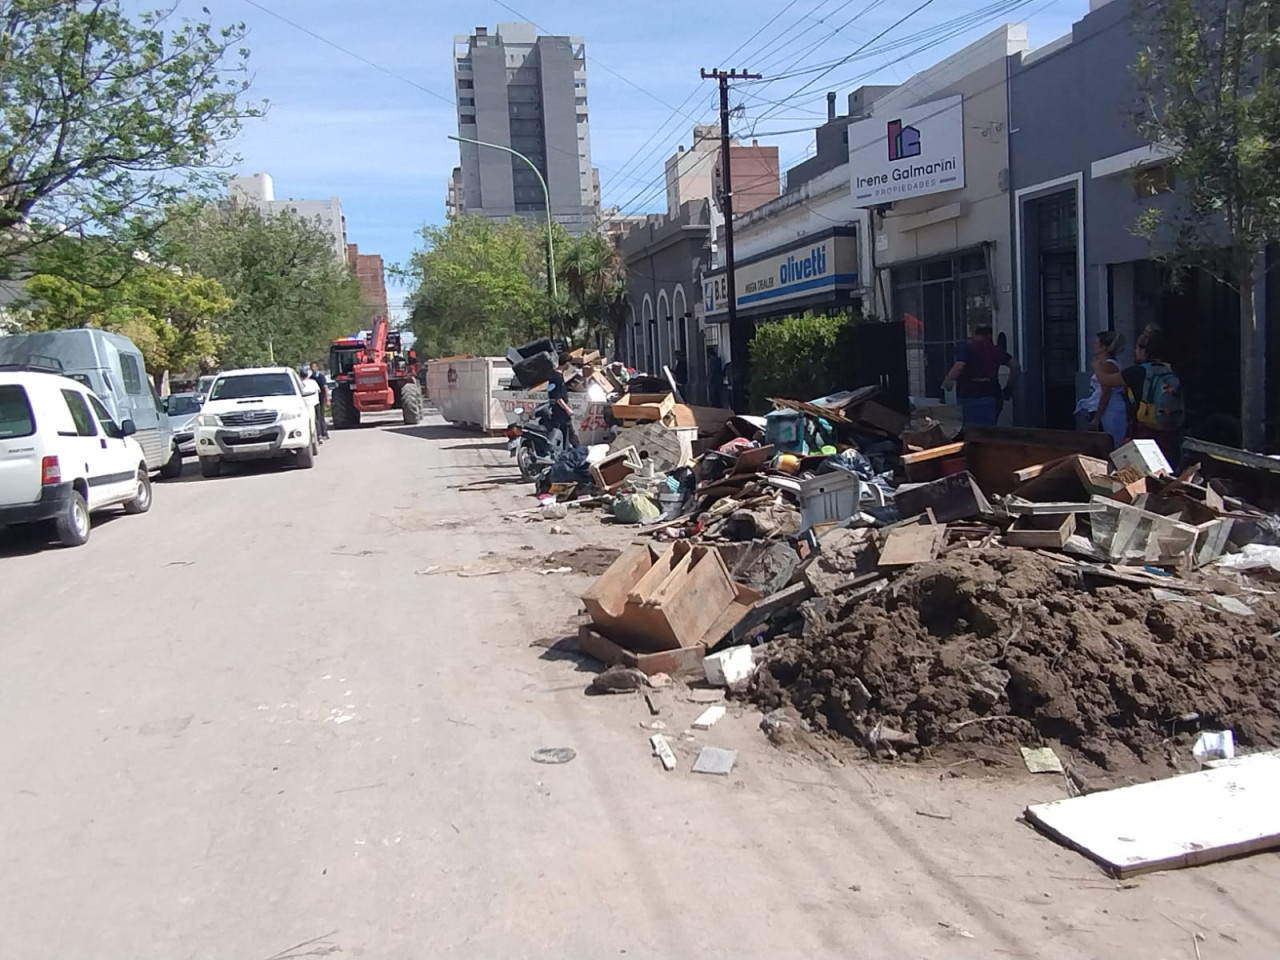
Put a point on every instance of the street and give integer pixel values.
(255, 723)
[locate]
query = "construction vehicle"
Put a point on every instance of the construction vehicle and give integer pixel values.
(373, 373)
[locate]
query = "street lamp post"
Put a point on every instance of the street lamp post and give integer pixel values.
(551, 257)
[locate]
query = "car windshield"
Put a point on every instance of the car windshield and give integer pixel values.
(15, 413)
(248, 385)
(181, 406)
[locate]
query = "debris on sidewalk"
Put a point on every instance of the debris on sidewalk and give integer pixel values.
(715, 761)
(709, 718)
(662, 750)
(730, 667)
(1041, 760)
(1183, 821)
(619, 679)
(554, 755)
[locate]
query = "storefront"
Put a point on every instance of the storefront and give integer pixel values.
(931, 168)
(818, 274)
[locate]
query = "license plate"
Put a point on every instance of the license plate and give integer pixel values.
(511, 445)
(250, 433)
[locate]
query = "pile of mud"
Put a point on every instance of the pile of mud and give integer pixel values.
(1004, 648)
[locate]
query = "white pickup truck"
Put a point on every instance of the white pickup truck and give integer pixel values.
(258, 414)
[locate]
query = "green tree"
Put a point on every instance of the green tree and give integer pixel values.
(1212, 97)
(793, 358)
(480, 286)
(290, 295)
(169, 314)
(104, 119)
(593, 274)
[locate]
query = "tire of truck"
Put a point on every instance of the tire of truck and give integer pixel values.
(411, 402)
(343, 407)
(210, 467)
(306, 457)
(172, 470)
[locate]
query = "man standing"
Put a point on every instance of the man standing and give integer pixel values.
(715, 378)
(976, 374)
(561, 412)
(322, 426)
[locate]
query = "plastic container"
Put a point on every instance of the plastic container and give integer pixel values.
(828, 498)
(784, 430)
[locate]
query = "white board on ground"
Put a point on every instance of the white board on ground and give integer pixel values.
(1184, 821)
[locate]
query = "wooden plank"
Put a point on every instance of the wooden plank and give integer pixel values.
(1030, 473)
(912, 544)
(1024, 508)
(933, 453)
(1184, 821)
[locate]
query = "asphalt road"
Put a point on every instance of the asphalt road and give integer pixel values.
(290, 714)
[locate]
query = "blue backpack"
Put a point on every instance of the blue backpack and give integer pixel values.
(1161, 406)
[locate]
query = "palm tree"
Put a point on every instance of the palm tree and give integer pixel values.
(594, 275)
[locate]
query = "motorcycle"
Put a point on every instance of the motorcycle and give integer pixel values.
(536, 443)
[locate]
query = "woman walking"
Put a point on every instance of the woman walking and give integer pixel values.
(1105, 404)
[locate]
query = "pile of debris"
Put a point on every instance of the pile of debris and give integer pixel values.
(920, 593)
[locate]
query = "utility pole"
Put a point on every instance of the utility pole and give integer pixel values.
(736, 344)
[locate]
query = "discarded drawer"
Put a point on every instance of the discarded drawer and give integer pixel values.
(1126, 534)
(611, 472)
(1144, 456)
(1047, 531)
(686, 661)
(644, 406)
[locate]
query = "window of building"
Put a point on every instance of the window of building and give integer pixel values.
(466, 85)
(467, 118)
(582, 118)
(132, 374)
(1153, 181)
(940, 302)
(80, 413)
(466, 101)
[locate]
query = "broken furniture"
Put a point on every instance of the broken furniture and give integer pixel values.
(650, 602)
(992, 454)
(1127, 534)
(611, 472)
(955, 497)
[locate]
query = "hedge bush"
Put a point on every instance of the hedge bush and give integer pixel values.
(796, 358)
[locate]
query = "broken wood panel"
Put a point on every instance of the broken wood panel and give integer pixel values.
(918, 543)
(1183, 821)
(1039, 531)
(994, 453)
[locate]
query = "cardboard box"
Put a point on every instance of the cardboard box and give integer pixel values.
(644, 406)
(1143, 455)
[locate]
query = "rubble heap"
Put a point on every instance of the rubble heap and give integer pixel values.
(994, 647)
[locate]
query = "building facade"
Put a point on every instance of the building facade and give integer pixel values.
(258, 190)
(455, 197)
(1081, 177)
(666, 258)
(370, 271)
(930, 166)
(695, 174)
(527, 93)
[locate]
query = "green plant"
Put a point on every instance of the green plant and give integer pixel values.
(795, 358)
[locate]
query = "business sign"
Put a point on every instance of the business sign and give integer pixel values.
(912, 153)
(796, 272)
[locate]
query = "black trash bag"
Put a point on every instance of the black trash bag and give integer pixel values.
(570, 467)
(850, 461)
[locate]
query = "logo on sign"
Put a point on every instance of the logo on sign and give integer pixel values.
(904, 142)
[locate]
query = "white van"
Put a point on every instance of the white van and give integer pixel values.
(111, 366)
(63, 456)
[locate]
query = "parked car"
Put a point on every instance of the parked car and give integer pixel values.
(63, 456)
(111, 366)
(182, 409)
(258, 414)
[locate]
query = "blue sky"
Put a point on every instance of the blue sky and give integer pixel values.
(341, 126)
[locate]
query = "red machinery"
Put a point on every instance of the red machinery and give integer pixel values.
(371, 374)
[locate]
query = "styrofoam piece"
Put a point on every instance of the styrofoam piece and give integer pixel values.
(1143, 455)
(729, 667)
(1215, 745)
(662, 750)
(709, 718)
(1225, 811)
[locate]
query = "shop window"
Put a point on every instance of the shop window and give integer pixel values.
(940, 302)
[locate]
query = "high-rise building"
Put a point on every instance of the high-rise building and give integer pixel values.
(694, 174)
(369, 270)
(529, 94)
(257, 190)
(454, 202)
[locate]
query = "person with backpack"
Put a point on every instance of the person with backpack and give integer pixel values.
(976, 374)
(1157, 408)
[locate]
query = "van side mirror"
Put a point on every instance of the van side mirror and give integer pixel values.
(128, 428)
(200, 398)
(310, 388)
